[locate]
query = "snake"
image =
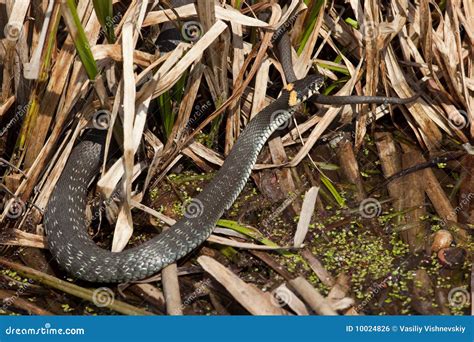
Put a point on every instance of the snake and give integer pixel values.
(65, 220)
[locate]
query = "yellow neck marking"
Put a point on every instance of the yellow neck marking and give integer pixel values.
(293, 99)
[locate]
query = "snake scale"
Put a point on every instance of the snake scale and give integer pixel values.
(65, 222)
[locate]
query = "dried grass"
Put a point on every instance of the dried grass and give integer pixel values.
(400, 50)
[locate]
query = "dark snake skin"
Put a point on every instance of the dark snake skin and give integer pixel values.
(65, 221)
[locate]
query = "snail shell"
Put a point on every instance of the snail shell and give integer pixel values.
(442, 239)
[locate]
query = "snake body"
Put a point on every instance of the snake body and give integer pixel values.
(65, 222)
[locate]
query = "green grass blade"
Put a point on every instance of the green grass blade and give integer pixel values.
(78, 35)
(311, 22)
(334, 85)
(352, 22)
(166, 112)
(104, 12)
(339, 199)
(254, 234)
(165, 103)
(332, 67)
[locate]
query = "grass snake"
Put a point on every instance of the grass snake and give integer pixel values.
(65, 221)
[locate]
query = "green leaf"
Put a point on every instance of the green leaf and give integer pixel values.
(79, 37)
(352, 22)
(327, 166)
(336, 68)
(165, 102)
(104, 11)
(333, 191)
(311, 22)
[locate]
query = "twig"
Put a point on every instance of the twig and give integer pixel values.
(11, 299)
(312, 296)
(72, 289)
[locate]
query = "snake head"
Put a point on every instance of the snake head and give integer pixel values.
(303, 89)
